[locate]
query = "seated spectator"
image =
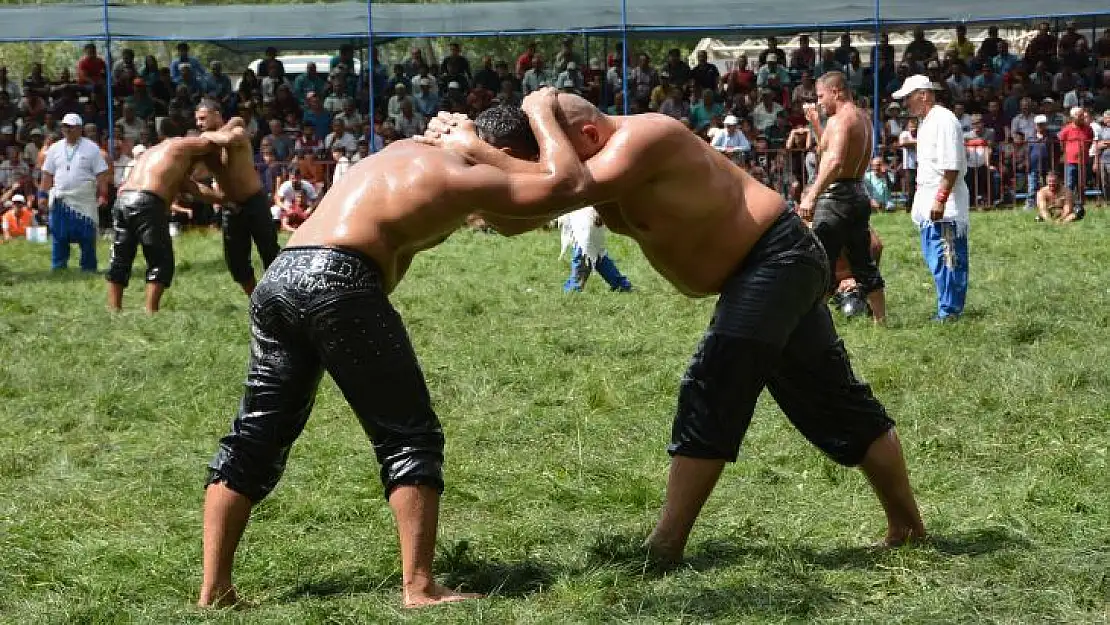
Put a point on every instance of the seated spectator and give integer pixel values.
(34, 145)
(454, 101)
(704, 110)
(1066, 80)
(1004, 62)
(844, 51)
(218, 85)
(184, 60)
(732, 142)
(1080, 96)
(827, 64)
(741, 80)
(507, 95)
(675, 105)
(13, 169)
(961, 45)
(281, 144)
(987, 79)
(879, 186)
(772, 48)
(272, 81)
(806, 91)
(308, 141)
(477, 101)
(570, 79)
(408, 123)
(766, 111)
(804, 57)
(1055, 202)
(91, 69)
(536, 76)
(310, 80)
(959, 83)
(779, 132)
(486, 77)
(772, 69)
(342, 163)
(317, 115)
(17, 218)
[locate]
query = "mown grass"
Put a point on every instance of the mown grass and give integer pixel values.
(557, 410)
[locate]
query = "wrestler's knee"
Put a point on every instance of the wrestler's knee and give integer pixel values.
(118, 273)
(414, 460)
(250, 469)
(161, 271)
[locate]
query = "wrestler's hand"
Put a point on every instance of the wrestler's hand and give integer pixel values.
(540, 98)
(813, 115)
(805, 207)
(937, 212)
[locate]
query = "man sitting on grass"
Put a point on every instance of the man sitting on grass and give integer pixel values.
(1054, 202)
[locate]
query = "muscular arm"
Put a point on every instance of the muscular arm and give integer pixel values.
(1042, 206)
(204, 192)
(1067, 208)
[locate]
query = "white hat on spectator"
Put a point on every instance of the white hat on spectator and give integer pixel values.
(894, 106)
(933, 65)
(772, 58)
(916, 82)
(73, 120)
(1075, 111)
(1048, 101)
(1106, 113)
(454, 85)
(424, 82)
(730, 120)
(1040, 119)
(18, 199)
(572, 65)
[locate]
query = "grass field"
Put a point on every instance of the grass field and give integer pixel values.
(557, 410)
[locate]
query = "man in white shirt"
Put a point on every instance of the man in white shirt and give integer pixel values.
(340, 137)
(74, 183)
(288, 190)
(940, 207)
(908, 142)
(732, 142)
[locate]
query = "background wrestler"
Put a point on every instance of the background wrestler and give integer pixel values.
(837, 202)
(248, 217)
(140, 215)
(323, 305)
(771, 326)
(1054, 201)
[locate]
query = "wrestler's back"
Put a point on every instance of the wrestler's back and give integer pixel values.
(389, 206)
(160, 170)
(697, 217)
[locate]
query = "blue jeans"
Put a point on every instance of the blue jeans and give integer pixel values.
(581, 267)
(945, 252)
(68, 226)
(1071, 181)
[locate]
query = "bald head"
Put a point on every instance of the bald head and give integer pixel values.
(577, 110)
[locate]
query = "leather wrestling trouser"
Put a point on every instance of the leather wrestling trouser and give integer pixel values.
(771, 328)
(248, 221)
(319, 309)
(841, 220)
(141, 218)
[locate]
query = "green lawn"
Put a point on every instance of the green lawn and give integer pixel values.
(557, 410)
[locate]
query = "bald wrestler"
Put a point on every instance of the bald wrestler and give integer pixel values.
(141, 214)
(323, 305)
(248, 216)
(710, 228)
(843, 209)
(1054, 202)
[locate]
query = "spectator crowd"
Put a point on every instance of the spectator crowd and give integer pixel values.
(1024, 115)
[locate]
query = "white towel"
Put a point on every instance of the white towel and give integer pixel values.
(579, 229)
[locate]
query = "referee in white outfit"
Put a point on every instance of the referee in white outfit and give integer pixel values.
(940, 206)
(74, 182)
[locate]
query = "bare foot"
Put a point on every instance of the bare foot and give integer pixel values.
(435, 595)
(661, 555)
(219, 598)
(899, 536)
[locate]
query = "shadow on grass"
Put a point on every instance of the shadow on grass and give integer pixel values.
(793, 597)
(350, 582)
(462, 570)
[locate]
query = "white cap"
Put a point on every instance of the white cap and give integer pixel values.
(1040, 119)
(914, 83)
(72, 119)
(572, 65)
(1075, 111)
(731, 120)
(454, 85)
(772, 58)
(18, 199)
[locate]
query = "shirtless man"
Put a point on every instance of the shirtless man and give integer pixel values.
(843, 211)
(248, 217)
(1054, 203)
(710, 228)
(140, 215)
(323, 305)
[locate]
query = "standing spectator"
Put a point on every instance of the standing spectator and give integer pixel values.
(456, 61)
(920, 48)
(990, 46)
(843, 53)
(878, 185)
(772, 48)
(1043, 155)
(677, 70)
(184, 60)
(74, 180)
(36, 82)
(1076, 138)
(271, 61)
(272, 82)
(524, 62)
(978, 178)
(583, 233)
(940, 207)
(804, 57)
(537, 76)
(1042, 48)
(311, 80)
(1069, 39)
(487, 77)
(1003, 63)
(91, 69)
(705, 74)
(1102, 151)
(643, 79)
(566, 54)
(1024, 122)
(961, 45)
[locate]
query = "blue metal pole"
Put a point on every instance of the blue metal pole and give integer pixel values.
(108, 81)
(370, 74)
(875, 76)
(624, 53)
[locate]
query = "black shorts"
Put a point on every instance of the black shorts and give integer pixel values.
(771, 328)
(141, 218)
(319, 309)
(842, 221)
(249, 220)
